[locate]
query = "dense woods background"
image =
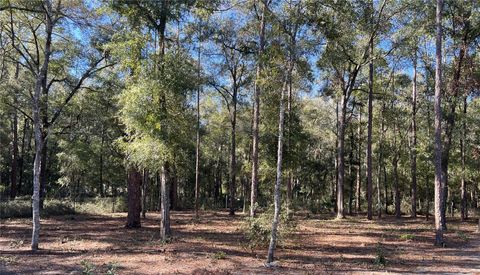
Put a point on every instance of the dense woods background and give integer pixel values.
(257, 106)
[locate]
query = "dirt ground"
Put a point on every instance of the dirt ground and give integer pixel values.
(216, 244)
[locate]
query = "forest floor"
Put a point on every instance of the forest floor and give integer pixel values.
(216, 244)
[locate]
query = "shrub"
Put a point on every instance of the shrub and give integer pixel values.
(258, 230)
(407, 237)
(87, 267)
(380, 256)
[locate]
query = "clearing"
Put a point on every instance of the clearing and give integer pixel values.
(216, 244)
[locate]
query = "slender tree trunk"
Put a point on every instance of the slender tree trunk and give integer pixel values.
(439, 219)
(341, 156)
(358, 191)
(278, 182)
(15, 158)
(413, 212)
(173, 189)
(369, 140)
(134, 198)
(144, 193)
(197, 151)
(25, 136)
(37, 125)
(14, 165)
(463, 187)
(350, 175)
(164, 203)
(398, 213)
(256, 113)
(233, 158)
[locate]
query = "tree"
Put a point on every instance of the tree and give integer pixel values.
(256, 107)
(438, 128)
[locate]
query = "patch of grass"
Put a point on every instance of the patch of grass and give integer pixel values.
(462, 235)
(112, 268)
(407, 237)
(220, 255)
(5, 260)
(16, 243)
(88, 268)
(380, 259)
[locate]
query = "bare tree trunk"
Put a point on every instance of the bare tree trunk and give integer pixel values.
(41, 78)
(358, 190)
(14, 165)
(197, 151)
(278, 182)
(26, 135)
(350, 175)
(463, 207)
(439, 219)
(413, 213)
(164, 203)
(15, 158)
(256, 112)
(233, 158)
(341, 156)
(144, 193)
(134, 198)
(369, 140)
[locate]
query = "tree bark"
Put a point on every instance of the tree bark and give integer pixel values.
(37, 123)
(413, 212)
(233, 159)
(439, 218)
(369, 140)
(144, 193)
(341, 156)
(197, 149)
(358, 190)
(26, 135)
(278, 182)
(134, 198)
(463, 187)
(256, 112)
(164, 203)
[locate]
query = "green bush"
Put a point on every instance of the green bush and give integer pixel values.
(101, 205)
(22, 208)
(258, 230)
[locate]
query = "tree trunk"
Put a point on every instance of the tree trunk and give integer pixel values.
(439, 219)
(413, 212)
(144, 193)
(278, 182)
(134, 198)
(369, 141)
(26, 135)
(197, 149)
(341, 156)
(463, 207)
(14, 165)
(41, 78)
(256, 114)
(358, 190)
(233, 158)
(350, 175)
(164, 203)
(173, 199)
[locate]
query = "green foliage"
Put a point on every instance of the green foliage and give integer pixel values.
(258, 230)
(407, 237)
(219, 255)
(380, 259)
(88, 268)
(112, 268)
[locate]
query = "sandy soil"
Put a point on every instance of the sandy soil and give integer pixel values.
(216, 244)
